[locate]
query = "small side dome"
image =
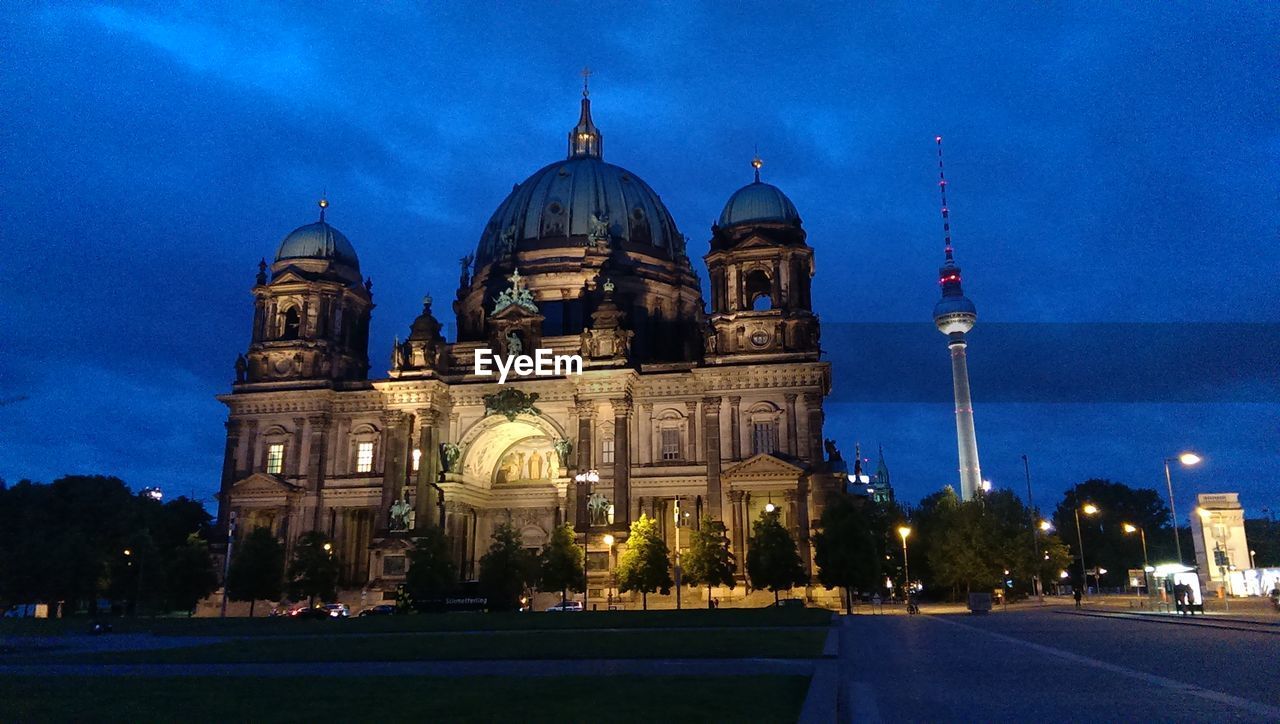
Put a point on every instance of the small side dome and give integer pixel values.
(758, 203)
(318, 241)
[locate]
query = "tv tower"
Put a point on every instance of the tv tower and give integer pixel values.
(955, 315)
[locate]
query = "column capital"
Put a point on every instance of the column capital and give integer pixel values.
(734, 401)
(736, 496)
(790, 495)
(585, 408)
(691, 406)
(790, 397)
(711, 405)
(392, 418)
(621, 406)
(646, 407)
(233, 426)
(320, 420)
(812, 399)
(428, 416)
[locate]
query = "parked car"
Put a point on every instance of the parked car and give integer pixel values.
(382, 609)
(337, 610)
(566, 606)
(306, 614)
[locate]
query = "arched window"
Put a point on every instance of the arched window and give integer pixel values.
(292, 322)
(759, 290)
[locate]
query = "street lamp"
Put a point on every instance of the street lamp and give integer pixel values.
(1187, 459)
(986, 486)
(1251, 555)
(1087, 509)
(677, 517)
(904, 531)
(1146, 564)
(1035, 535)
(608, 540)
(1046, 526)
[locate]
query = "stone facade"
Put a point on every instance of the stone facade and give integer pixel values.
(723, 412)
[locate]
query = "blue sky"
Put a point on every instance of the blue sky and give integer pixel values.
(1112, 191)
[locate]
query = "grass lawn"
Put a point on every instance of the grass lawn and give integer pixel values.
(690, 618)
(639, 643)
(392, 699)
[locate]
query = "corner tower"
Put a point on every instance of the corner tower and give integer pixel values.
(955, 315)
(311, 315)
(760, 267)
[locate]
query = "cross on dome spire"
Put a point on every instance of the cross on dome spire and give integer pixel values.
(756, 163)
(323, 204)
(586, 74)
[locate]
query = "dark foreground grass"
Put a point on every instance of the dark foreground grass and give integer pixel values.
(632, 644)
(394, 699)
(689, 618)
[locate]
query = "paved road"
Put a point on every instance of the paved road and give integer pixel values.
(1047, 665)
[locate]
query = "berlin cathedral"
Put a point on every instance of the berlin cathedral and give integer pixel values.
(712, 411)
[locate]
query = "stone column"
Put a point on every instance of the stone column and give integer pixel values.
(293, 466)
(735, 426)
(801, 497)
(621, 461)
(711, 431)
(586, 418)
(691, 407)
(646, 433)
(792, 448)
(318, 426)
(229, 473)
(738, 524)
(394, 439)
(427, 503)
(813, 408)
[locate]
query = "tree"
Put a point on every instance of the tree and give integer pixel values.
(772, 560)
(190, 574)
(562, 563)
(507, 569)
(846, 551)
(431, 568)
(645, 565)
(313, 572)
(257, 568)
(708, 562)
(1105, 543)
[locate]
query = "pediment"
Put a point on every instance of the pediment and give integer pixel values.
(763, 467)
(262, 484)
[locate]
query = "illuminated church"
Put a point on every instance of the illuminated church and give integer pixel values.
(717, 408)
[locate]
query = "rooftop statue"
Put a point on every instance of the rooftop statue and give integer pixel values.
(516, 295)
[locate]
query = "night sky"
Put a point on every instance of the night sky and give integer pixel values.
(1112, 189)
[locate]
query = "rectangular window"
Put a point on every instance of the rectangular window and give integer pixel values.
(606, 451)
(764, 437)
(670, 444)
(364, 457)
(275, 458)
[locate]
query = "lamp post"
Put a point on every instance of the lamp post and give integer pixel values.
(1089, 509)
(608, 540)
(677, 555)
(905, 531)
(1187, 459)
(1146, 564)
(1036, 586)
(226, 561)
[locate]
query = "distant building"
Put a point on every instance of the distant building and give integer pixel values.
(876, 486)
(1222, 553)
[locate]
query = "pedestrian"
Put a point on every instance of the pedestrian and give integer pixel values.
(1078, 595)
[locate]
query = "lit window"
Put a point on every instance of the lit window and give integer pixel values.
(670, 444)
(275, 458)
(364, 458)
(764, 437)
(606, 451)
(417, 459)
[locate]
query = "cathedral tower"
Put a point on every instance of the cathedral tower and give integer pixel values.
(311, 316)
(760, 267)
(955, 315)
